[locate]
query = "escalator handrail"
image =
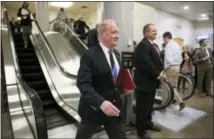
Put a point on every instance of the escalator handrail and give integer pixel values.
(61, 69)
(32, 95)
(71, 30)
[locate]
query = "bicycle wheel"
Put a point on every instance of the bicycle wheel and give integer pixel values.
(186, 88)
(164, 96)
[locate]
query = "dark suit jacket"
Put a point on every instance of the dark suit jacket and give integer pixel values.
(148, 66)
(92, 38)
(198, 55)
(162, 54)
(95, 83)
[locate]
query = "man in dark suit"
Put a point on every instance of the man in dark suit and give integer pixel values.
(92, 37)
(204, 61)
(100, 102)
(149, 68)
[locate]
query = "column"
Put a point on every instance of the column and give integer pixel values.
(122, 12)
(99, 12)
(42, 15)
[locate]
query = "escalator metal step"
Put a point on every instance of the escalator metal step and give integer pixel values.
(30, 69)
(50, 111)
(25, 55)
(25, 50)
(33, 61)
(55, 119)
(35, 76)
(38, 84)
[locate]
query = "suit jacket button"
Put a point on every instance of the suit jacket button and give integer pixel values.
(114, 100)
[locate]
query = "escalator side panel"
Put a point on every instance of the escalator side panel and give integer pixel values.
(35, 79)
(57, 82)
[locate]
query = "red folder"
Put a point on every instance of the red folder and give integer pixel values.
(128, 85)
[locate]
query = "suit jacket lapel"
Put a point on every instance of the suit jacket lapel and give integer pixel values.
(105, 63)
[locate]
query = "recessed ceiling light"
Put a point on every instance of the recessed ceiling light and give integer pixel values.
(203, 15)
(186, 7)
(61, 4)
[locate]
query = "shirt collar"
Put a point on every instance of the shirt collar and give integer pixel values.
(104, 48)
(151, 41)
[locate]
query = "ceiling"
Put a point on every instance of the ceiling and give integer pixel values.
(75, 8)
(194, 11)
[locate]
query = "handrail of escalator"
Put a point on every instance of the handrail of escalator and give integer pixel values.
(71, 30)
(32, 95)
(63, 70)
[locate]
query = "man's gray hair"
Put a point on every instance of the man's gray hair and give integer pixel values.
(103, 25)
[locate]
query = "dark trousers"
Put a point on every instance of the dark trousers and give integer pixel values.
(144, 107)
(114, 127)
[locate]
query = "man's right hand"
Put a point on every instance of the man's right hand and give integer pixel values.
(161, 76)
(109, 109)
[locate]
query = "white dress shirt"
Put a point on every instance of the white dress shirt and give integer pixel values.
(173, 54)
(205, 49)
(106, 52)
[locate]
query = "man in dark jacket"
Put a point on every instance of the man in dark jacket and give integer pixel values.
(100, 102)
(149, 69)
(79, 27)
(92, 37)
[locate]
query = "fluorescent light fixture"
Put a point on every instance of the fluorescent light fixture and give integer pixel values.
(203, 15)
(186, 7)
(61, 4)
(203, 18)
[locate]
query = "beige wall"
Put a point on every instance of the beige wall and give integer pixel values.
(178, 26)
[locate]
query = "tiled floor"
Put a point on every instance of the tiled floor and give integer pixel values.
(202, 128)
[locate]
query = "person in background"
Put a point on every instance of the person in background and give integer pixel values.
(26, 22)
(92, 37)
(185, 66)
(62, 16)
(14, 25)
(172, 62)
(203, 59)
(148, 72)
(100, 102)
(162, 52)
(79, 27)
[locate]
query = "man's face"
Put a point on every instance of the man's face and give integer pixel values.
(111, 35)
(165, 40)
(205, 43)
(152, 33)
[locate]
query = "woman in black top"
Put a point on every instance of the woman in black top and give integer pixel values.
(26, 22)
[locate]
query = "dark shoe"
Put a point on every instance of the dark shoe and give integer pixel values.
(182, 106)
(143, 135)
(174, 101)
(153, 127)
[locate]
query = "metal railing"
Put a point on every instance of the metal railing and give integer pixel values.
(61, 69)
(70, 29)
(41, 130)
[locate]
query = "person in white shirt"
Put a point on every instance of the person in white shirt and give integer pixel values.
(172, 62)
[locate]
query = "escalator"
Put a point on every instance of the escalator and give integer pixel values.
(34, 77)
